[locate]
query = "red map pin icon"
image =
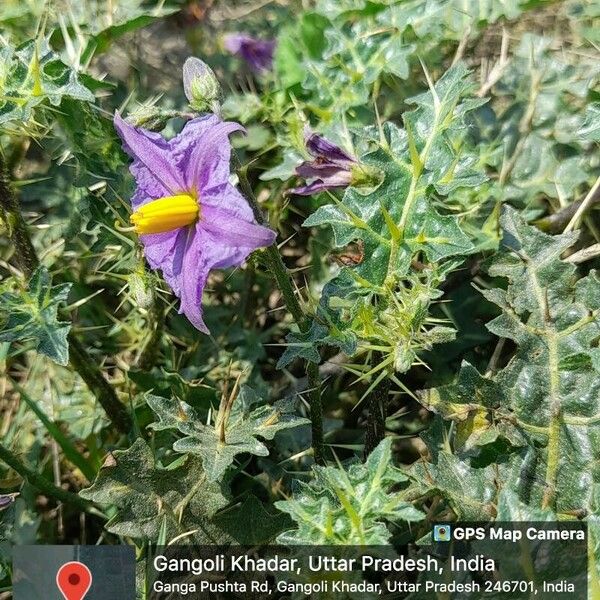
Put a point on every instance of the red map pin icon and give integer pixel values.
(74, 580)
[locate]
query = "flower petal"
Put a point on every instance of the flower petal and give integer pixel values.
(322, 170)
(192, 279)
(315, 187)
(152, 151)
(227, 197)
(186, 140)
(204, 250)
(164, 251)
(257, 53)
(209, 161)
(232, 231)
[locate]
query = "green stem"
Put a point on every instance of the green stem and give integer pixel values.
(316, 411)
(24, 255)
(41, 483)
(282, 277)
(27, 259)
(378, 403)
(88, 370)
(280, 273)
(157, 322)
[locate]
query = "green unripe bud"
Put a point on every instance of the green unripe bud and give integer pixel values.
(153, 118)
(141, 288)
(201, 86)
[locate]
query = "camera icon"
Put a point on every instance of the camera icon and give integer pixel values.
(442, 533)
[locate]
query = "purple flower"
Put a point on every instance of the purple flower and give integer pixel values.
(190, 218)
(258, 54)
(330, 168)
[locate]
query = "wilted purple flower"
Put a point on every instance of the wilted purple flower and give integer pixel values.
(330, 168)
(189, 216)
(6, 500)
(258, 54)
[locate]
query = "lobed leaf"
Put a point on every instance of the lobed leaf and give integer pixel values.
(349, 505)
(31, 314)
(178, 499)
(549, 393)
(31, 74)
(237, 433)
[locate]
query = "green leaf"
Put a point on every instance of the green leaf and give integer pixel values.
(590, 128)
(548, 395)
(383, 299)
(32, 315)
(470, 492)
(250, 523)
(537, 107)
(306, 345)
(479, 408)
(236, 429)
(510, 508)
(147, 497)
(31, 74)
(349, 506)
(404, 197)
(287, 60)
(101, 41)
(70, 451)
(92, 140)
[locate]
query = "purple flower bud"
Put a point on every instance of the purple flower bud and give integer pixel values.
(258, 54)
(330, 168)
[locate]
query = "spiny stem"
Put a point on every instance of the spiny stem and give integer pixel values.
(280, 273)
(148, 355)
(24, 255)
(378, 402)
(27, 259)
(316, 411)
(41, 483)
(88, 369)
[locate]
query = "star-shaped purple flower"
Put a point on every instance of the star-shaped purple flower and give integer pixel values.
(190, 218)
(330, 168)
(258, 54)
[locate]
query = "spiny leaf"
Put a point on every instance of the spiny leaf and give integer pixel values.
(148, 497)
(479, 408)
(590, 128)
(31, 74)
(403, 195)
(510, 508)
(470, 492)
(235, 433)
(32, 314)
(306, 345)
(349, 506)
(384, 299)
(549, 393)
(250, 523)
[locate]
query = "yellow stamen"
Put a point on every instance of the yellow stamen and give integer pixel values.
(165, 214)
